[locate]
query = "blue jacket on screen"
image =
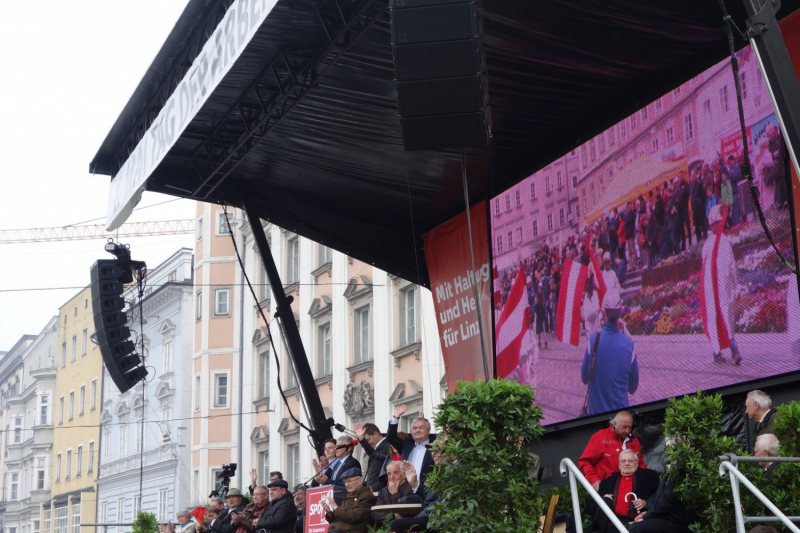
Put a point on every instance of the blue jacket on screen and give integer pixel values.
(616, 371)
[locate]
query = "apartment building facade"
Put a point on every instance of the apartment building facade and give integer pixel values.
(27, 406)
(370, 338)
(144, 453)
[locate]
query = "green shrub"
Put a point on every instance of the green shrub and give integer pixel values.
(695, 420)
(145, 523)
(565, 501)
(491, 487)
(786, 486)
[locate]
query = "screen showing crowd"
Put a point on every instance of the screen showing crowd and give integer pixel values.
(652, 221)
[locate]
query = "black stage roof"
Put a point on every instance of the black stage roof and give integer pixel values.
(322, 155)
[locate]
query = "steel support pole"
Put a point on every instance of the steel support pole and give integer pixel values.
(776, 66)
(320, 424)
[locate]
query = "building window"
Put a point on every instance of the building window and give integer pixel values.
(290, 380)
(658, 105)
(688, 127)
(197, 385)
(79, 467)
(361, 342)
(263, 373)
(670, 135)
(499, 243)
(535, 228)
(644, 114)
(137, 506)
(561, 217)
(263, 460)
(408, 316)
(533, 190)
(17, 430)
(199, 228)
(120, 511)
(196, 484)
(199, 301)
(167, 357)
(74, 348)
(84, 342)
(723, 98)
(69, 465)
(76, 517)
(575, 181)
(221, 390)
(508, 202)
(106, 445)
(93, 399)
(90, 458)
(61, 410)
(293, 464)
(743, 83)
(549, 221)
(162, 504)
(324, 350)
(293, 260)
(224, 226)
(325, 256)
(222, 302)
(44, 409)
(82, 401)
(497, 206)
(14, 486)
(71, 405)
(35, 526)
(138, 444)
(47, 520)
(622, 132)
(510, 237)
(40, 472)
(123, 441)
(547, 185)
(58, 468)
(64, 351)
(707, 106)
(61, 519)
(517, 198)
(559, 180)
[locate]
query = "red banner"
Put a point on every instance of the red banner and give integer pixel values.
(315, 509)
(447, 253)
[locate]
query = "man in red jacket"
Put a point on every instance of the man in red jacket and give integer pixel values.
(600, 459)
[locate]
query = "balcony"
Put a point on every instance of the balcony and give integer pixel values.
(151, 457)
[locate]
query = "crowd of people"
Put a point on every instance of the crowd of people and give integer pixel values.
(614, 465)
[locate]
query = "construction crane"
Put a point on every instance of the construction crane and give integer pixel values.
(97, 231)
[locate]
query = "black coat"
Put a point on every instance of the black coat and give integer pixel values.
(645, 483)
(376, 471)
(406, 446)
(223, 523)
(349, 462)
(665, 512)
(386, 498)
(280, 517)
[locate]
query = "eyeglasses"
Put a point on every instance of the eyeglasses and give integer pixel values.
(259, 494)
(628, 460)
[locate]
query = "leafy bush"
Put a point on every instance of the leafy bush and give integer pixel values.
(145, 523)
(491, 487)
(695, 421)
(565, 501)
(786, 486)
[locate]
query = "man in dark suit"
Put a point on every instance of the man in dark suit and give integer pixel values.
(377, 448)
(664, 513)
(281, 516)
(236, 504)
(625, 492)
(412, 448)
(344, 452)
(758, 407)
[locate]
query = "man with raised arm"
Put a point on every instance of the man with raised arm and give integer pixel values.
(412, 448)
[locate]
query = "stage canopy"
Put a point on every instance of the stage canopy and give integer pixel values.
(305, 121)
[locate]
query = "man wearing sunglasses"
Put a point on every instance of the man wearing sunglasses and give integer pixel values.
(344, 453)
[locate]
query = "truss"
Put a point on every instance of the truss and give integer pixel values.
(97, 231)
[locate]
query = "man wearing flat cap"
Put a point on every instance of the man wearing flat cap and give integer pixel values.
(236, 504)
(281, 515)
(610, 368)
(353, 515)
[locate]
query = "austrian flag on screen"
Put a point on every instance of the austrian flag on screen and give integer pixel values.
(647, 238)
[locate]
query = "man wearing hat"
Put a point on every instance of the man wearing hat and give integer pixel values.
(610, 368)
(353, 515)
(236, 504)
(718, 288)
(281, 515)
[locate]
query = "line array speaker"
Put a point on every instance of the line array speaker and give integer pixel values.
(124, 365)
(440, 73)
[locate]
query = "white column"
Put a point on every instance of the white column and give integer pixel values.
(276, 401)
(340, 334)
(306, 295)
(384, 343)
(432, 362)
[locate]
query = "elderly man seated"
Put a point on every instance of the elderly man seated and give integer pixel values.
(398, 487)
(767, 446)
(624, 492)
(353, 515)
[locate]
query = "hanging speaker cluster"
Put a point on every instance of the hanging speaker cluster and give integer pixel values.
(108, 280)
(440, 73)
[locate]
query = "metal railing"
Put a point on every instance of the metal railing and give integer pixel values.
(568, 467)
(729, 463)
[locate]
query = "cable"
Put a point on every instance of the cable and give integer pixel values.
(142, 280)
(266, 322)
(728, 22)
(137, 209)
(156, 287)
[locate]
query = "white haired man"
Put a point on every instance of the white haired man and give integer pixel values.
(600, 459)
(767, 446)
(758, 407)
(412, 448)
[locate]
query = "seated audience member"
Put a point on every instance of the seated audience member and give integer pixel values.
(353, 515)
(184, 525)
(236, 504)
(397, 488)
(663, 513)
(246, 521)
(281, 516)
(419, 522)
(625, 492)
(758, 407)
(300, 504)
(600, 459)
(211, 514)
(767, 446)
(327, 461)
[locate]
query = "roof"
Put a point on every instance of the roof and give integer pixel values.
(328, 163)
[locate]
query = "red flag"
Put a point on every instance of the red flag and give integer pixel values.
(599, 282)
(511, 327)
(568, 315)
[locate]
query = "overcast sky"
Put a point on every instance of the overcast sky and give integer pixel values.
(68, 68)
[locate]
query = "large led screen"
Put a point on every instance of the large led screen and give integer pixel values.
(653, 221)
